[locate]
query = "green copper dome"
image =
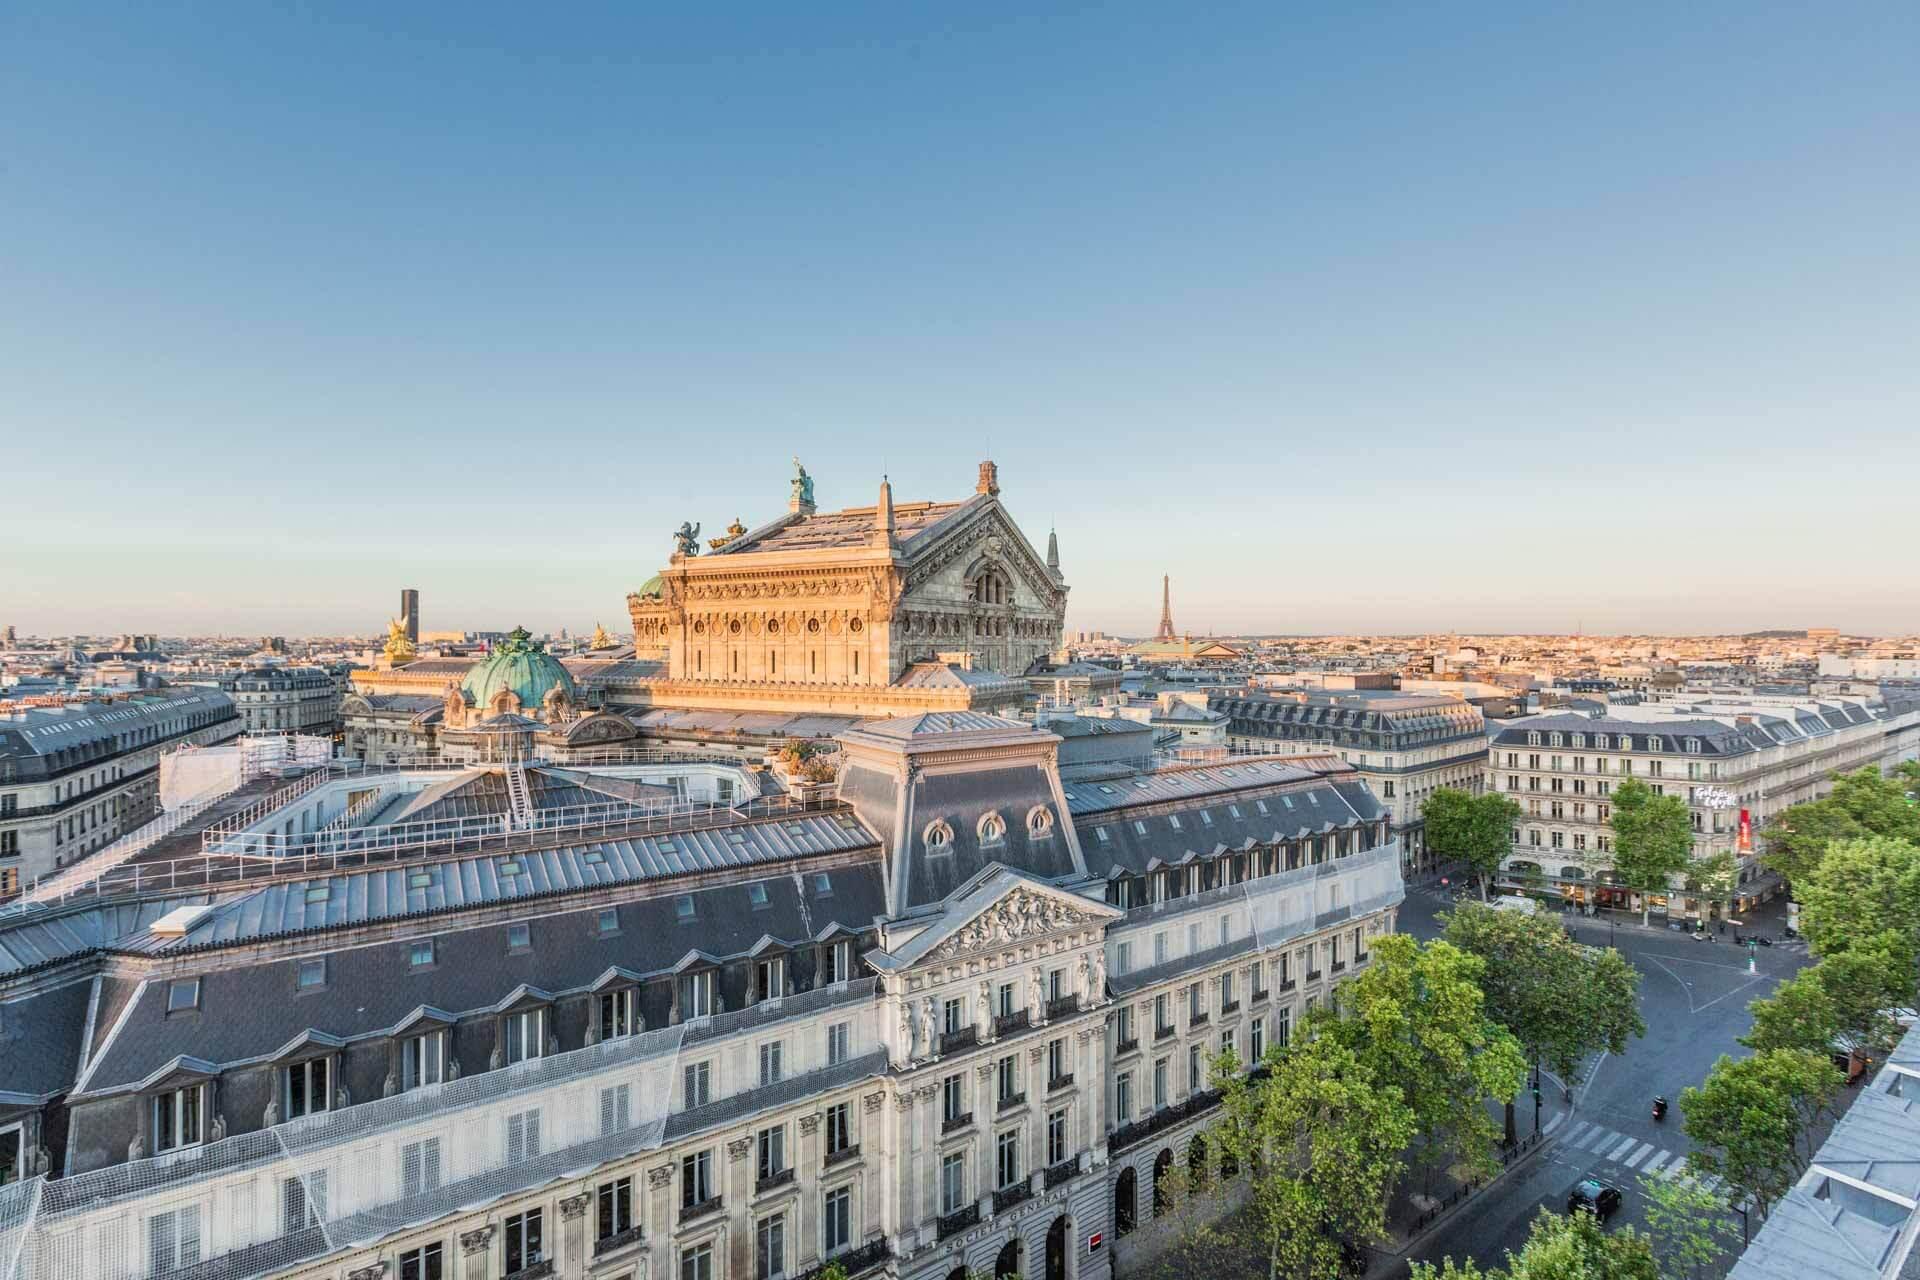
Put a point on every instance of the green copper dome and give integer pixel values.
(522, 665)
(654, 586)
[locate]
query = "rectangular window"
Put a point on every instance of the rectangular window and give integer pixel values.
(698, 1082)
(615, 1207)
(420, 1167)
(839, 1128)
(1005, 1075)
(697, 1263)
(770, 1247)
(616, 1009)
(523, 1035)
(420, 1060)
(696, 1179)
(951, 1106)
(839, 1043)
(420, 954)
(616, 1108)
(699, 995)
(428, 1262)
(954, 1017)
(1007, 1159)
(1196, 1069)
(525, 1240)
(1283, 1028)
(312, 975)
(306, 1088)
(1123, 1097)
(523, 1136)
(1257, 1040)
(953, 1182)
(176, 1119)
(1056, 1060)
(836, 962)
(1160, 1084)
(1162, 1020)
(770, 977)
(183, 994)
(303, 1202)
(772, 1146)
(1057, 1149)
(836, 1220)
(173, 1240)
(770, 1064)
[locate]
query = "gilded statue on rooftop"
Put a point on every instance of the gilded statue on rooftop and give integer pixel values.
(399, 649)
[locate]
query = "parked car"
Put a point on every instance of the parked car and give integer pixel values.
(1598, 1198)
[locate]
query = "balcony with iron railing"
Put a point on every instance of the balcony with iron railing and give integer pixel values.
(1060, 1082)
(959, 1220)
(964, 1038)
(849, 1152)
(618, 1240)
(1007, 1197)
(1060, 1174)
(852, 1261)
(778, 1178)
(1009, 1101)
(1018, 1020)
(953, 1124)
(1063, 1006)
(699, 1208)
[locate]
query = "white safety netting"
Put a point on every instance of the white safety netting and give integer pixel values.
(256, 1203)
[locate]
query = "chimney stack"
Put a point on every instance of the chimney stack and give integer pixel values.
(989, 480)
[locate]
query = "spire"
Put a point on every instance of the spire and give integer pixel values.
(1166, 608)
(883, 535)
(1053, 552)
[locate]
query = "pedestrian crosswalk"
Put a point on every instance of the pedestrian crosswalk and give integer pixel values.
(1631, 1153)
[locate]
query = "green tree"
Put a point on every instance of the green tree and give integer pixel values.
(1476, 829)
(1321, 1137)
(1417, 1017)
(1715, 876)
(1798, 1015)
(1652, 839)
(1687, 1226)
(1562, 1001)
(1572, 1247)
(1861, 804)
(1752, 1120)
(1861, 888)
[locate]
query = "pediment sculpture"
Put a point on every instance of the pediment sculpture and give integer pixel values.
(1019, 915)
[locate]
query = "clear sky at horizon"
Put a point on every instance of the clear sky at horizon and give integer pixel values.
(1395, 317)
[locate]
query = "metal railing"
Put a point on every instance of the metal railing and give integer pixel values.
(227, 826)
(573, 760)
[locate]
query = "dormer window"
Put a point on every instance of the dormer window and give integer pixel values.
(306, 1088)
(1039, 823)
(523, 1035)
(177, 1118)
(183, 995)
(992, 829)
(938, 837)
(770, 977)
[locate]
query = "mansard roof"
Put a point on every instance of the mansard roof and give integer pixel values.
(848, 528)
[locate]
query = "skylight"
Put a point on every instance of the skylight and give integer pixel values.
(757, 894)
(683, 906)
(319, 892)
(183, 994)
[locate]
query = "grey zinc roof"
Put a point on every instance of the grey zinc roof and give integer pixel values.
(852, 527)
(33, 731)
(40, 1042)
(930, 724)
(1121, 787)
(37, 936)
(1134, 843)
(371, 989)
(1828, 1227)
(358, 897)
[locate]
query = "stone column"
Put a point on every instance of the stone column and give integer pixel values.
(476, 1249)
(739, 1193)
(807, 1163)
(657, 1214)
(575, 1250)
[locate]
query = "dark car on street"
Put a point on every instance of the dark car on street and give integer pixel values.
(1598, 1198)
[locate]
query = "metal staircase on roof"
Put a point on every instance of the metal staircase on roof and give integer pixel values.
(519, 794)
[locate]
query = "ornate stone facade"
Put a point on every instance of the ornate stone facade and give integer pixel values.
(846, 610)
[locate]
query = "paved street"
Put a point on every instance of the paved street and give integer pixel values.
(1694, 998)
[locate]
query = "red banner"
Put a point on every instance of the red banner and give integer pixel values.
(1746, 832)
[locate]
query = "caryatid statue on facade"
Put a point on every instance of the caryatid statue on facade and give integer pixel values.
(927, 1025)
(1099, 989)
(906, 1032)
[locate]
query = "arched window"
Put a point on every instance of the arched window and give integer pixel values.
(1057, 1249)
(1197, 1162)
(993, 828)
(1162, 1193)
(1039, 822)
(938, 837)
(1008, 1263)
(1125, 1194)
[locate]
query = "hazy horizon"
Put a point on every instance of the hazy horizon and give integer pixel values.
(1392, 320)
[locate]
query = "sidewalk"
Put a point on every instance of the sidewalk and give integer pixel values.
(1409, 1223)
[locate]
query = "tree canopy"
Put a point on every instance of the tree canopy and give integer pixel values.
(1687, 1226)
(1569, 1247)
(1416, 1017)
(1861, 888)
(1862, 804)
(1322, 1137)
(1563, 1001)
(1752, 1121)
(1476, 829)
(1652, 839)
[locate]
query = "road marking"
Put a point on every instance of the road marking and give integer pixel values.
(1598, 1136)
(1579, 1130)
(1634, 1160)
(1653, 1165)
(1593, 1075)
(1554, 1123)
(1674, 1170)
(1626, 1145)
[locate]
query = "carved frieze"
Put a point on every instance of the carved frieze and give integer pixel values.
(1022, 915)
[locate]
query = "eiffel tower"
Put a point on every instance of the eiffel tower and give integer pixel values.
(1166, 609)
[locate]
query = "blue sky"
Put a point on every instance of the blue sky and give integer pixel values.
(1381, 317)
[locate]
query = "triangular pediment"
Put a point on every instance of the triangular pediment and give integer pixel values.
(967, 534)
(1000, 909)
